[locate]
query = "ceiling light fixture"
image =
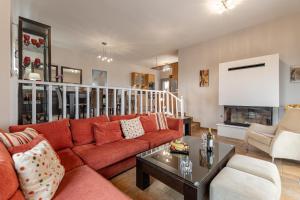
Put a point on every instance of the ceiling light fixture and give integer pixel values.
(105, 55)
(221, 6)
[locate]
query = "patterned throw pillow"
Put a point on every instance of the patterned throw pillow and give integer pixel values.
(39, 171)
(18, 138)
(161, 120)
(132, 128)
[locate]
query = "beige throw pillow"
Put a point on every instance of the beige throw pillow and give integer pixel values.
(132, 128)
(39, 171)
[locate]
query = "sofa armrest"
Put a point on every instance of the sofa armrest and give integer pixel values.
(286, 145)
(175, 124)
(263, 129)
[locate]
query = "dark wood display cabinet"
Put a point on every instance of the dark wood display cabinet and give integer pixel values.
(34, 59)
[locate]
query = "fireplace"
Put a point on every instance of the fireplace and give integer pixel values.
(245, 115)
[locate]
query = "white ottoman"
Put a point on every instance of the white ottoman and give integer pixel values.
(246, 178)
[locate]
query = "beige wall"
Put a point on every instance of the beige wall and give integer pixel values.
(118, 73)
(5, 63)
(280, 36)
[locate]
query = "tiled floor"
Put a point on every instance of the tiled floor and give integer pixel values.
(289, 170)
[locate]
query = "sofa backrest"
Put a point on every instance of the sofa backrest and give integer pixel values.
(9, 183)
(290, 121)
(82, 129)
(57, 133)
(122, 117)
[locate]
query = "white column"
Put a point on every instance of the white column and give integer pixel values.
(33, 104)
(50, 117)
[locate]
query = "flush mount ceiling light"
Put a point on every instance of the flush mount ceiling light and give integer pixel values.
(105, 53)
(221, 6)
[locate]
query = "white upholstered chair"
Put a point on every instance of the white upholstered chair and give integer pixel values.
(280, 141)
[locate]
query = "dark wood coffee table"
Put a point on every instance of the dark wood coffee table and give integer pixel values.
(165, 166)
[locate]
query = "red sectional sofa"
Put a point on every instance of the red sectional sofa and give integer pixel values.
(74, 142)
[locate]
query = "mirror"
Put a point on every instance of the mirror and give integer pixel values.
(71, 75)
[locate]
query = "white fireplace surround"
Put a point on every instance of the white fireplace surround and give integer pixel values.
(241, 85)
(248, 82)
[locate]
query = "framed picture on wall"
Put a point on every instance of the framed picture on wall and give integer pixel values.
(204, 78)
(99, 77)
(71, 75)
(295, 73)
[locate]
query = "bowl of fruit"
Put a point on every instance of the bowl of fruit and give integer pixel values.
(178, 146)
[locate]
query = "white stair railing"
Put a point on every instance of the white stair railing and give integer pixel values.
(138, 100)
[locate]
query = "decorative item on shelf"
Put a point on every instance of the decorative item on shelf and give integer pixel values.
(33, 41)
(37, 62)
(38, 45)
(34, 76)
(41, 41)
(26, 61)
(210, 141)
(105, 55)
(179, 147)
(26, 39)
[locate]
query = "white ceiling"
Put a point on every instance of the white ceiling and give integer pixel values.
(138, 30)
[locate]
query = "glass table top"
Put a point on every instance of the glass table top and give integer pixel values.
(193, 167)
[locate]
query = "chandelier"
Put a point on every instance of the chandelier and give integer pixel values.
(221, 6)
(105, 53)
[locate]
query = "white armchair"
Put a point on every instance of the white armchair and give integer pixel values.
(281, 141)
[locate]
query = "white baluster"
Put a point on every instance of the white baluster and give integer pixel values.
(106, 101)
(176, 106)
(182, 107)
(159, 102)
(151, 101)
(135, 102)
(163, 102)
(115, 102)
(76, 102)
(156, 107)
(97, 102)
(64, 101)
(168, 103)
(129, 101)
(50, 117)
(172, 102)
(33, 103)
(87, 102)
(141, 102)
(146, 101)
(122, 102)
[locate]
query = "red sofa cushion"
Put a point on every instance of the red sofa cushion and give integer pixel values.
(82, 129)
(18, 195)
(175, 124)
(8, 178)
(149, 123)
(27, 146)
(84, 183)
(121, 117)
(107, 132)
(69, 159)
(98, 157)
(158, 138)
(57, 133)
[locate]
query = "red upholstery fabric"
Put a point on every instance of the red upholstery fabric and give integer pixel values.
(8, 178)
(84, 183)
(157, 138)
(57, 133)
(98, 157)
(82, 129)
(18, 195)
(117, 168)
(107, 132)
(176, 124)
(69, 159)
(26, 147)
(149, 123)
(121, 117)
